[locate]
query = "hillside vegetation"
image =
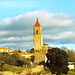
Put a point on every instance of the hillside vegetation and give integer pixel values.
(13, 62)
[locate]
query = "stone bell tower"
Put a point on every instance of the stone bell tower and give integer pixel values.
(38, 37)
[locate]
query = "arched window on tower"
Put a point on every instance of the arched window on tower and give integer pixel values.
(36, 31)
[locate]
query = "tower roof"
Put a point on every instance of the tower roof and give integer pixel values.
(37, 23)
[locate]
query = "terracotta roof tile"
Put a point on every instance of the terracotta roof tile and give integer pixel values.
(43, 53)
(25, 53)
(12, 52)
(2, 48)
(37, 24)
(45, 44)
(49, 47)
(14, 49)
(0, 52)
(22, 52)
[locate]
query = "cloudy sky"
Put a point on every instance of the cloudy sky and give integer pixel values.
(17, 18)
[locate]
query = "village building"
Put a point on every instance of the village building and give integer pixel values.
(39, 46)
(39, 57)
(71, 65)
(8, 50)
(40, 49)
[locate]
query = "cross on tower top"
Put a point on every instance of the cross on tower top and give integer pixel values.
(37, 23)
(37, 19)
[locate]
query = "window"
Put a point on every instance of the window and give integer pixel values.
(4, 50)
(36, 31)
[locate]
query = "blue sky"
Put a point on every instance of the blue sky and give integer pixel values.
(57, 17)
(12, 8)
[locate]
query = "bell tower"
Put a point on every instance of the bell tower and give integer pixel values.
(38, 37)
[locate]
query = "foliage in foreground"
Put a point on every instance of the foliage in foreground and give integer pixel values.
(12, 60)
(12, 68)
(71, 72)
(57, 61)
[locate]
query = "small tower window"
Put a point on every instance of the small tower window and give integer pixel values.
(36, 31)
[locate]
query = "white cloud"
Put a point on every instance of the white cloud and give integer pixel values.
(2, 33)
(16, 39)
(63, 35)
(6, 22)
(21, 45)
(58, 26)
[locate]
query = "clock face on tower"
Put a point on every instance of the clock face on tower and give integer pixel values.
(36, 31)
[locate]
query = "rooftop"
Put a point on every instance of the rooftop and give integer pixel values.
(37, 23)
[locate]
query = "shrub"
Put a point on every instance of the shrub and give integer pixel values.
(13, 59)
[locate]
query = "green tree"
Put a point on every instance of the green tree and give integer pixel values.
(13, 59)
(57, 61)
(64, 48)
(32, 50)
(2, 65)
(19, 51)
(71, 55)
(32, 58)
